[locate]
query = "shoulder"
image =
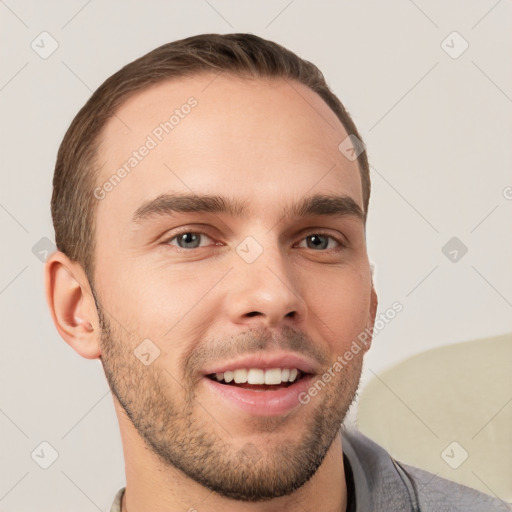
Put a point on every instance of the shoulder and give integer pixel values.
(376, 474)
(436, 493)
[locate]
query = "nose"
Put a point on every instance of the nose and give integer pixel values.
(266, 291)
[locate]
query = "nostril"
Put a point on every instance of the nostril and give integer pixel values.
(253, 313)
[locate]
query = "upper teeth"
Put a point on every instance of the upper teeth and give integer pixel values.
(271, 376)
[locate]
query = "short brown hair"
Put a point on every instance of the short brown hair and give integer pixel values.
(76, 169)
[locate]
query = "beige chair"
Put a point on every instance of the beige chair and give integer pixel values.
(448, 411)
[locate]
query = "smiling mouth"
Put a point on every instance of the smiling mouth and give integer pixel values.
(257, 379)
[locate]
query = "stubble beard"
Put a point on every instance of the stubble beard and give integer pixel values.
(182, 434)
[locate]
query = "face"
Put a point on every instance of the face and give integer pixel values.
(231, 272)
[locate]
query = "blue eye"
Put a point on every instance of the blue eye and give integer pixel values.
(321, 241)
(187, 240)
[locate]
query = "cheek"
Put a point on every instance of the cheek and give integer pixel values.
(342, 307)
(155, 304)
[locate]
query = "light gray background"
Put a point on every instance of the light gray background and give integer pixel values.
(437, 130)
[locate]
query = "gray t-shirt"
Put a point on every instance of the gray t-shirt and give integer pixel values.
(378, 483)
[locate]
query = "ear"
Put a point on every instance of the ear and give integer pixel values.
(72, 305)
(374, 302)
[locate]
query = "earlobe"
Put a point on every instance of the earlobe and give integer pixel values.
(71, 304)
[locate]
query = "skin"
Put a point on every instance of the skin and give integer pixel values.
(268, 144)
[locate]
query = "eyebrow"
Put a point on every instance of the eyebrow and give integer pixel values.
(318, 204)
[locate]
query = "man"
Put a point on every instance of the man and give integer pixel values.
(210, 203)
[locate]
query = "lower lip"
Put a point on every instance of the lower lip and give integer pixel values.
(261, 403)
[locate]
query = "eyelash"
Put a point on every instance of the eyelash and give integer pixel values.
(341, 243)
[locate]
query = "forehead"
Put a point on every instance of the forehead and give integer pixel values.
(256, 138)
